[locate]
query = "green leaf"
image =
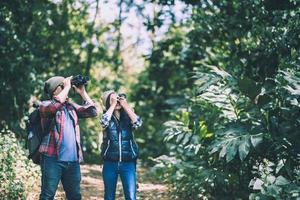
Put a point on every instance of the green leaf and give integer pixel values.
(223, 151)
(186, 139)
(185, 117)
(231, 150)
(273, 190)
(270, 179)
(219, 71)
(258, 184)
(180, 137)
(263, 99)
(203, 130)
(280, 165)
(209, 135)
(280, 180)
(249, 87)
(244, 147)
(215, 149)
(256, 139)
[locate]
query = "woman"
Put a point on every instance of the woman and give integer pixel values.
(119, 150)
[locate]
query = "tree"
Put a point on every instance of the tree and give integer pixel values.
(235, 127)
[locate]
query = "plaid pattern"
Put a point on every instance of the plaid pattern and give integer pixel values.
(53, 111)
(104, 122)
(137, 124)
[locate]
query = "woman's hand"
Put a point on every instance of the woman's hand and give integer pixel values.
(128, 109)
(113, 99)
(123, 101)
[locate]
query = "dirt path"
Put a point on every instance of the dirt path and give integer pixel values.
(92, 186)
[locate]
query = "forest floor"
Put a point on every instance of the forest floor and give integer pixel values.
(92, 187)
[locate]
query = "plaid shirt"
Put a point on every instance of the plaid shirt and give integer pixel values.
(52, 111)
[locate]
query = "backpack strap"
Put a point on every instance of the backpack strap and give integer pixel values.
(48, 126)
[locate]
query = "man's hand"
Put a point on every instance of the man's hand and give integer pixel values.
(82, 92)
(63, 94)
(79, 90)
(67, 82)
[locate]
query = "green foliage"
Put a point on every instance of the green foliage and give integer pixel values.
(185, 178)
(161, 87)
(271, 184)
(40, 39)
(36, 41)
(18, 175)
(242, 141)
(246, 76)
(225, 81)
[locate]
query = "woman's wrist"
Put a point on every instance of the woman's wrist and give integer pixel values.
(125, 106)
(114, 104)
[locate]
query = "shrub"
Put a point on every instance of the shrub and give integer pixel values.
(17, 174)
(251, 149)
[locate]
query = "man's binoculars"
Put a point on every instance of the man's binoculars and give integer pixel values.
(79, 80)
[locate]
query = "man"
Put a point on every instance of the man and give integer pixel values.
(60, 148)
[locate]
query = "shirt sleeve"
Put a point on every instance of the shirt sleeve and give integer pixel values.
(104, 120)
(138, 123)
(49, 108)
(85, 111)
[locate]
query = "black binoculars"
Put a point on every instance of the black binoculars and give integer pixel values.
(122, 95)
(79, 80)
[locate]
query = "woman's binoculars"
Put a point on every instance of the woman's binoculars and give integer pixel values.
(122, 95)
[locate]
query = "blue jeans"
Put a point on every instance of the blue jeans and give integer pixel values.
(127, 171)
(53, 171)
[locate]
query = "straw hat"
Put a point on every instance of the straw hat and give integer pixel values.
(105, 96)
